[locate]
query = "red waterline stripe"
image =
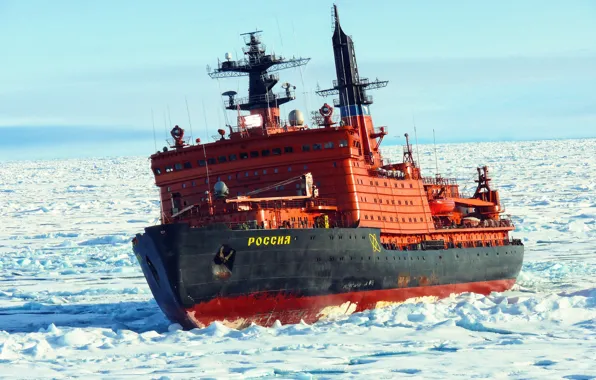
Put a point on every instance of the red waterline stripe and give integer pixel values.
(264, 309)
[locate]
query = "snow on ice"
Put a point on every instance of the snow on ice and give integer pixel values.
(74, 303)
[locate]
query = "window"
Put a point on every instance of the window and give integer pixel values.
(222, 159)
(288, 149)
(343, 143)
(276, 151)
(201, 162)
(157, 171)
(264, 171)
(305, 148)
(230, 177)
(243, 155)
(317, 146)
(169, 169)
(178, 166)
(265, 152)
(289, 168)
(275, 170)
(194, 183)
(246, 174)
(254, 154)
(256, 173)
(184, 186)
(169, 189)
(329, 145)
(233, 157)
(305, 167)
(211, 161)
(335, 164)
(187, 165)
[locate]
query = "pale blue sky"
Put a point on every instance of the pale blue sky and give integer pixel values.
(470, 70)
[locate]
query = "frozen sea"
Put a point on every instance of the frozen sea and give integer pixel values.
(74, 303)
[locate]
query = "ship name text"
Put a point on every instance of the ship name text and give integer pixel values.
(269, 240)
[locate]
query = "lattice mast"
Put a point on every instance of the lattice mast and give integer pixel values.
(259, 67)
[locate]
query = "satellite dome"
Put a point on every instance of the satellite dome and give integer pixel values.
(296, 118)
(221, 190)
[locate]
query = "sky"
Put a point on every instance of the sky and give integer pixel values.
(84, 78)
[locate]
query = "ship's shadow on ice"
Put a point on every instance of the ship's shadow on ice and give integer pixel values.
(134, 316)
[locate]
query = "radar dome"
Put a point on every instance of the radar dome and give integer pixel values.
(296, 118)
(228, 56)
(221, 190)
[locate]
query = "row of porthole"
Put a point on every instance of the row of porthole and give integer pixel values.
(332, 258)
(376, 183)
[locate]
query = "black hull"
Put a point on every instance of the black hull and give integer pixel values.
(292, 274)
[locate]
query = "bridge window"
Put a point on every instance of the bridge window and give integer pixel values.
(305, 148)
(366, 217)
(194, 183)
(343, 143)
(265, 152)
(211, 161)
(275, 170)
(317, 146)
(184, 186)
(289, 168)
(254, 154)
(329, 145)
(187, 165)
(256, 173)
(243, 155)
(222, 159)
(157, 171)
(178, 166)
(233, 157)
(169, 169)
(276, 151)
(264, 171)
(202, 163)
(246, 174)
(403, 220)
(288, 149)
(411, 186)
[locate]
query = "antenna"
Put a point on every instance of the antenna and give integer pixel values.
(153, 122)
(436, 160)
(169, 118)
(204, 151)
(189, 122)
(416, 136)
(165, 125)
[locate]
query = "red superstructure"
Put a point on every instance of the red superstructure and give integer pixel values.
(356, 186)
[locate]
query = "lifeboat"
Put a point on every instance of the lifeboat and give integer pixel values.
(441, 206)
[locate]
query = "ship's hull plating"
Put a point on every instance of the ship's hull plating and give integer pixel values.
(303, 274)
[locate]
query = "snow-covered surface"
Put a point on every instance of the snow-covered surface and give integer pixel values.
(74, 303)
